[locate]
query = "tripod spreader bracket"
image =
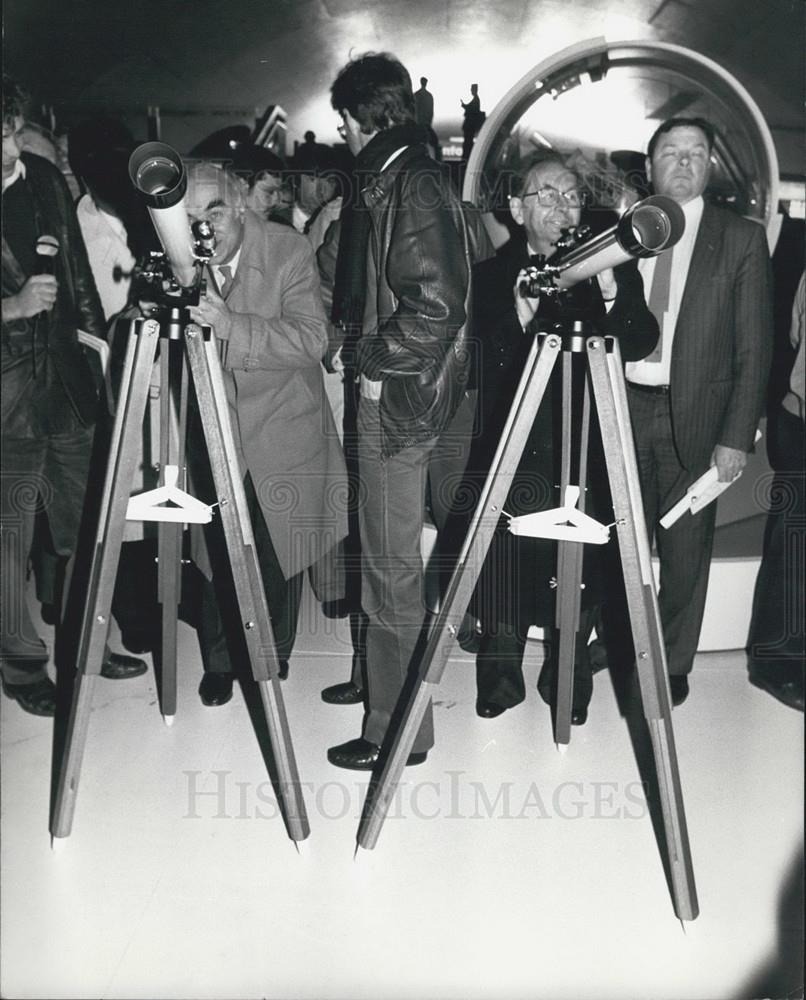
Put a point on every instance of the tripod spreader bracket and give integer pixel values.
(175, 323)
(576, 337)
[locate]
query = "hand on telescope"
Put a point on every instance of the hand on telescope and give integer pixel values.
(607, 284)
(212, 311)
(729, 462)
(525, 308)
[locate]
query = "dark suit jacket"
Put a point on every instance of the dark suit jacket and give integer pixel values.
(514, 584)
(44, 368)
(723, 340)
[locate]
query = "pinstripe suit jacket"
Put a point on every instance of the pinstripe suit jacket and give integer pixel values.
(723, 340)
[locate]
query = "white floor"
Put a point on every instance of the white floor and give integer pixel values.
(505, 869)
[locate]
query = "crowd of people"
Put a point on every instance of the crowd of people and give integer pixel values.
(371, 341)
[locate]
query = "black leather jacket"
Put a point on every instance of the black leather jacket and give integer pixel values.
(416, 317)
(42, 360)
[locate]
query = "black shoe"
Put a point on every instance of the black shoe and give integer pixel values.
(489, 710)
(215, 689)
(120, 667)
(282, 671)
(37, 699)
(679, 686)
(336, 609)
(361, 755)
(579, 716)
(597, 655)
(49, 613)
(343, 694)
(786, 690)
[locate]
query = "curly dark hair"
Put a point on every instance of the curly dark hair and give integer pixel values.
(15, 100)
(376, 89)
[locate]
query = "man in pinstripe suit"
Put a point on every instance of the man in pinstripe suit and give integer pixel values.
(697, 399)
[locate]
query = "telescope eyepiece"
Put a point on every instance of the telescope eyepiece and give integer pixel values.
(158, 174)
(204, 239)
(655, 224)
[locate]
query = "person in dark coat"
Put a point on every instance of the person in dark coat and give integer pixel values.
(515, 586)
(49, 399)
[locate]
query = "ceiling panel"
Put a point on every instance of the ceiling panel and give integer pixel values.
(250, 53)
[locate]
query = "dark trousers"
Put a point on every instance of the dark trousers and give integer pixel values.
(46, 474)
(220, 626)
(776, 640)
(684, 549)
(499, 665)
(391, 517)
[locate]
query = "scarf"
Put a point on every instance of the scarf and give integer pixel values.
(349, 286)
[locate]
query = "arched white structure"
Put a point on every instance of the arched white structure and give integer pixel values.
(597, 56)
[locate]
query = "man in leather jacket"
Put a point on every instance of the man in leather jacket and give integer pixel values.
(400, 298)
(49, 390)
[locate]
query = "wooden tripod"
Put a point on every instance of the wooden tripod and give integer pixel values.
(183, 344)
(609, 394)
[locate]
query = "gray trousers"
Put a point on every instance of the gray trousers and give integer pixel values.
(391, 515)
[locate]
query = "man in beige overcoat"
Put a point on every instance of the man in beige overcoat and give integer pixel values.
(264, 303)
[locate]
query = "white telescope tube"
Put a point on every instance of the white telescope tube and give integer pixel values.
(646, 229)
(158, 174)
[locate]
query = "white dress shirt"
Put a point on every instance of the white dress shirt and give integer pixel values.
(111, 260)
(653, 372)
(16, 173)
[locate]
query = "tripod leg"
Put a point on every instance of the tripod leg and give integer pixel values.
(124, 451)
(445, 627)
(611, 400)
(569, 562)
(173, 382)
(169, 552)
(569, 603)
(205, 367)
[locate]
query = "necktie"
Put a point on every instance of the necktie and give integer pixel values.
(225, 273)
(659, 298)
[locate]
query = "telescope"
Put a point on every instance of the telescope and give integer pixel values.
(646, 229)
(158, 175)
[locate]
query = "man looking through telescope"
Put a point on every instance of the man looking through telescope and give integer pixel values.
(514, 589)
(265, 306)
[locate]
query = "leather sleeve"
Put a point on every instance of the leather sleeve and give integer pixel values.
(89, 313)
(426, 273)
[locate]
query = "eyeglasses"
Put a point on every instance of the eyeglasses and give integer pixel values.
(550, 197)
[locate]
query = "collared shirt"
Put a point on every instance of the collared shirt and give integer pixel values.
(659, 373)
(299, 218)
(18, 171)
